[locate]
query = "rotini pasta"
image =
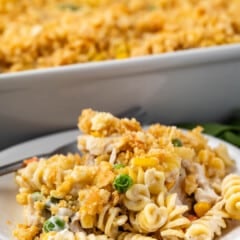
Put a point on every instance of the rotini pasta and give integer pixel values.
(45, 174)
(110, 219)
(137, 197)
(129, 183)
(133, 236)
(231, 194)
(154, 180)
(222, 152)
(209, 225)
(84, 236)
(214, 166)
(151, 218)
(176, 222)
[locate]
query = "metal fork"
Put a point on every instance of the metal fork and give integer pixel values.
(12, 167)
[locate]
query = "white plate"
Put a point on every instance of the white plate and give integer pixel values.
(11, 212)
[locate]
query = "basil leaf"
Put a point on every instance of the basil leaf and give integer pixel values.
(232, 138)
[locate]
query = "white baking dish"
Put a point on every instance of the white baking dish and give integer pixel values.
(196, 85)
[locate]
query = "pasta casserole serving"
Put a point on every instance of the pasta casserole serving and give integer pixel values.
(130, 182)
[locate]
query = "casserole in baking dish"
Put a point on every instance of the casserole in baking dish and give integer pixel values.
(43, 34)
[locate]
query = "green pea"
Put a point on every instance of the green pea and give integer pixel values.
(54, 223)
(177, 142)
(122, 183)
(118, 166)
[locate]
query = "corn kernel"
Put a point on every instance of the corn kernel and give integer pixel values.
(145, 161)
(201, 208)
(87, 220)
(96, 134)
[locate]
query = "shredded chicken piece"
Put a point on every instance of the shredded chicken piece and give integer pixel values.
(204, 192)
(97, 146)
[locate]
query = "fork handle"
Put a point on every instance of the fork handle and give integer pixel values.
(11, 167)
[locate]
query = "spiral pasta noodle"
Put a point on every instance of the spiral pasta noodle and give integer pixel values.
(24, 175)
(231, 194)
(176, 222)
(133, 236)
(214, 166)
(46, 173)
(151, 218)
(84, 236)
(222, 152)
(110, 219)
(209, 225)
(136, 197)
(154, 180)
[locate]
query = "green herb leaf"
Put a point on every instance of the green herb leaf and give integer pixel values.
(216, 129)
(119, 165)
(122, 183)
(177, 142)
(232, 138)
(54, 223)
